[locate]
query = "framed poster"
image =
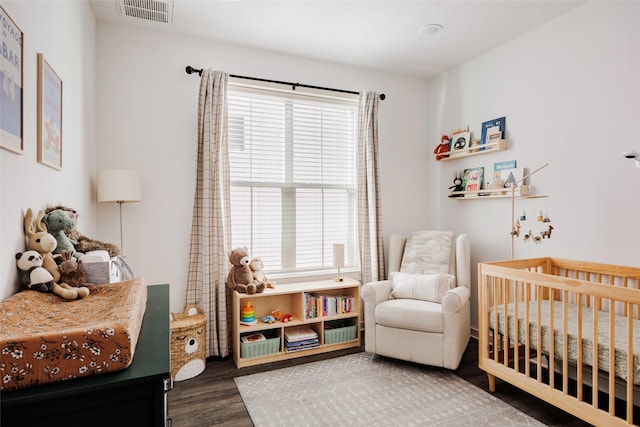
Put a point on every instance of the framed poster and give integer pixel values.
(11, 106)
(49, 115)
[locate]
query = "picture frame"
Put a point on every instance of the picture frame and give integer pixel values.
(49, 115)
(11, 85)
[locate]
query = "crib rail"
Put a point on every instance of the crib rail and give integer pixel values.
(585, 351)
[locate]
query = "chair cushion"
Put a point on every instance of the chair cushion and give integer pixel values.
(428, 252)
(426, 287)
(410, 314)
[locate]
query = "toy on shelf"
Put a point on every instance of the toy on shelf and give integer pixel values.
(457, 184)
(268, 319)
(248, 314)
(443, 147)
(286, 318)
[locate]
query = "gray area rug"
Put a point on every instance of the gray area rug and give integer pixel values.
(362, 389)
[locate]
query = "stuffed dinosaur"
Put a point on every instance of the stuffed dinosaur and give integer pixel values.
(58, 223)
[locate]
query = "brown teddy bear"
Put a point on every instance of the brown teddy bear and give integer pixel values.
(240, 277)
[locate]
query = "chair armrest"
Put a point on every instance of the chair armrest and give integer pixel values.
(375, 292)
(455, 298)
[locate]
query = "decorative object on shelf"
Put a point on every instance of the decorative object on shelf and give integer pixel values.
(510, 176)
(338, 260)
(460, 140)
(120, 186)
(49, 115)
(248, 314)
(11, 99)
(492, 130)
(240, 277)
(457, 184)
(443, 147)
(277, 314)
(498, 167)
(256, 265)
(268, 319)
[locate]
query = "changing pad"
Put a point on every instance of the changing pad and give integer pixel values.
(44, 338)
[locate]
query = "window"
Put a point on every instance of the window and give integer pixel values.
(293, 177)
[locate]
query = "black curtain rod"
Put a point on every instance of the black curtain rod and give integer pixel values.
(191, 70)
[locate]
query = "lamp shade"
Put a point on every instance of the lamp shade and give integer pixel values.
(338, 255)
(118, 185)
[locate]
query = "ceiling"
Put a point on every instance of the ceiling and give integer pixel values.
(382, 35)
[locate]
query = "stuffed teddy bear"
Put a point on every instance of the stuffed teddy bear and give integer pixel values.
(240, 277)
(44, 243)
(71, 271)
(58, 223)
(81, 242)
(256, 267)
(33, 276)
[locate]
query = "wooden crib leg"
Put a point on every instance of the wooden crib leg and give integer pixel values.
(492, 382)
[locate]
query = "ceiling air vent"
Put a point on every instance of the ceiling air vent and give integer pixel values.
(149, 10)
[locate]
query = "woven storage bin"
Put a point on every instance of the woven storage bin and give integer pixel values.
(259, 348)
(188, 332)
(336, 335)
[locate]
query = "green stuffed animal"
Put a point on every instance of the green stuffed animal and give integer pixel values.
(58, 222)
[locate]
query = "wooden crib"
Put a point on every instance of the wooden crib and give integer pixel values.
(593, 308)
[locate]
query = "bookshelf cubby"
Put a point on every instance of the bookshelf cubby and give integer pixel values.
(290, 299)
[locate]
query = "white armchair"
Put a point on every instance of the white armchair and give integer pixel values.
(422, 330)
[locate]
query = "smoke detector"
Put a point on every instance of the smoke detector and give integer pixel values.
(149, 10)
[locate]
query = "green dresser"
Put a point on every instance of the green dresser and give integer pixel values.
(135, 396)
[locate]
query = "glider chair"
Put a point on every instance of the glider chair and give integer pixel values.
(422, 312)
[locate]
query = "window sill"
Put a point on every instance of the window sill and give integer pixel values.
(311, 276)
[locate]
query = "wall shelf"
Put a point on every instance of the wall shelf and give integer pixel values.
(474, 151)
(498, 193)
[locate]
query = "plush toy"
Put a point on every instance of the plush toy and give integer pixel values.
(44, 243)
(240, 277)
(58, 223)
(443, 147)
(256, 266)
(33, 276)
(81, 242)
(71, 271)
(277, 314)
(457, 184)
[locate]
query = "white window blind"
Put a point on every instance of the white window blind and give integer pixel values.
(293, 177)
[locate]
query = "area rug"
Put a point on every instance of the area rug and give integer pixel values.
(362, 389)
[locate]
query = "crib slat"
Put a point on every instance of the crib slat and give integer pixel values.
(612, 358)
(565, 342)
(539, 338)
(594, 373)
(527, 334)
(579, 358)
(552, 339)
(630, 371)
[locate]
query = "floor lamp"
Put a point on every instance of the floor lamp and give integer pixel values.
(120, 186)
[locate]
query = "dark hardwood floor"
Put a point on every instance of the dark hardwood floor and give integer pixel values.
(212, 399)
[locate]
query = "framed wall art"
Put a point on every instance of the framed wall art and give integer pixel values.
(49, 115)
(11, 105)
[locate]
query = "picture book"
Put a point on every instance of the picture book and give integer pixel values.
(300, 334)
(490, 133)
(498, 167)
(460, 140)
(472, 179)
(511, 175)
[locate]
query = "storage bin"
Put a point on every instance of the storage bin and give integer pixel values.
(188, 356)
(259, 348)
(337, 335)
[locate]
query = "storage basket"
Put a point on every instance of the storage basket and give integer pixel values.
(337, 335)
(188, 341)
(259, 348)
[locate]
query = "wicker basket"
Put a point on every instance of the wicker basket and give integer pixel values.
(188, 334)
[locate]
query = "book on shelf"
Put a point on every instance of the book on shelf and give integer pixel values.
(326, 305)
(472, 179)
(460, 141)
(300, 334)
(302, 347)
(510, 176)
(492, 130)
(498, 167)
(253, 338)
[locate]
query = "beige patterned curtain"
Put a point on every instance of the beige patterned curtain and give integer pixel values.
(211, 222)
(369, 219)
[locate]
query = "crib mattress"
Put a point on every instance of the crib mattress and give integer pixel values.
(572, 335)
(45, 339)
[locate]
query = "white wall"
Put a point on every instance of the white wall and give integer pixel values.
(147, 108)
(570, 91)
(64, 32)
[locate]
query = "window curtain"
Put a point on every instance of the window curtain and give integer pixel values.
(211, 222)
(370, 242)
